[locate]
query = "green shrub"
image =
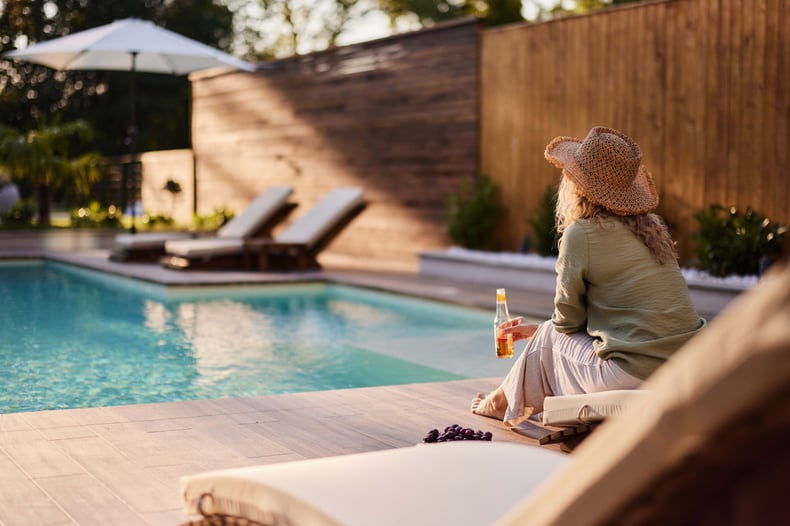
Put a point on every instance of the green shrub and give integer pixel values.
(96, 216)
(153, 221)
(219, 217)
(20, 215)
(729, 242)
(473, 213)
(544, 225)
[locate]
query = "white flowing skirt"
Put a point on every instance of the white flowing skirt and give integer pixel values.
(554, 363)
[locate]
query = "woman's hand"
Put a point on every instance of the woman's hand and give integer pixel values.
(519, 328)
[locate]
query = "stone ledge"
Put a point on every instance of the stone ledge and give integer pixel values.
(528, 272)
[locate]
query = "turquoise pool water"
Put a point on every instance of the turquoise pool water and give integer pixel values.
(71, 338)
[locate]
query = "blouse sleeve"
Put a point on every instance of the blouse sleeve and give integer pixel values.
(570, 299)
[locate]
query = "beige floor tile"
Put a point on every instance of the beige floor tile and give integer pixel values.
(167, 518)
(90, 503)
(66, 432)
(14, 422)
(125, 477)
(51, 419)
(96, 415)
(24, 503)
(37, 456)
(241, 438)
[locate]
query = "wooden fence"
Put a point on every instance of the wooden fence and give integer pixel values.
(396, 116)
(702, 85)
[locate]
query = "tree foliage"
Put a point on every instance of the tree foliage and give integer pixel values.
(492, 12)
(559, 8)
(50, 157)
(267, 29)
(30, 93)
(428, 12)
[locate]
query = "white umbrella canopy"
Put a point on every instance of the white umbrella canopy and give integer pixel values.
(128, 45)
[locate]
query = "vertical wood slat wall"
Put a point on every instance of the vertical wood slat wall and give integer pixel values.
(396, 116)
(702, 85)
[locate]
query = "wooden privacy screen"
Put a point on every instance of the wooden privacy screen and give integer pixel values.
(702, 85)
(396, 116)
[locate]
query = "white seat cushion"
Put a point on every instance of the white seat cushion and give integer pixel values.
(571, 410)
(308, 229)
(255, 214)
(426, 484)
(204, 247)
(146, 240)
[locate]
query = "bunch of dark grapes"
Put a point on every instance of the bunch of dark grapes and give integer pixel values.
(455, 432)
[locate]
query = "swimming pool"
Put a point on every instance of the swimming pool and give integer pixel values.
(71, 337)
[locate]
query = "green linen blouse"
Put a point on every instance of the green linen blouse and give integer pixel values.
(609, 283)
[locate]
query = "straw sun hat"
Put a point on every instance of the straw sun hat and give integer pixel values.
(607, 169)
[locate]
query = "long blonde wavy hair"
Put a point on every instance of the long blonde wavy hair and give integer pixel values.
(649, 228)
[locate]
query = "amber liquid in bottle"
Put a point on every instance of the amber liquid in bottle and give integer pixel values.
(503, 344)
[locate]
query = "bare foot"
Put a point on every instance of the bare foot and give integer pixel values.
(493, 405)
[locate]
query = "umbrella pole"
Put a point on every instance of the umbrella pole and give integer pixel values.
(132, 140)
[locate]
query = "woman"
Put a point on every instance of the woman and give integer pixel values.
(621, 306)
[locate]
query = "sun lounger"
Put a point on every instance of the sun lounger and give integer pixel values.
(143, 246)
(295, 247)
(705, 445)
(257, 219)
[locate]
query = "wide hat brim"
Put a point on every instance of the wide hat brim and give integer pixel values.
(626, 189)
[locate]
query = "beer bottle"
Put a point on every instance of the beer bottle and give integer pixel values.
(504, 343)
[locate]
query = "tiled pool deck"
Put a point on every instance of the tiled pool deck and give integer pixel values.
(121, 465)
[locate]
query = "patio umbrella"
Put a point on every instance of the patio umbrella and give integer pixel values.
(128, 45)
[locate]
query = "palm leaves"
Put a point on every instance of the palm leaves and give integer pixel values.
(46, 158)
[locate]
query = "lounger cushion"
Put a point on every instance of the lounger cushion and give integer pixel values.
(147, 240)
(194, 248)
(307, 229)
(244, 225)
(323, 216)
(255, 214)
(426, 484)
(569, 410)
